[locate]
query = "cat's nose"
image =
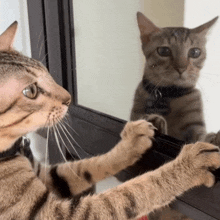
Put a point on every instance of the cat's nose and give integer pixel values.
(181, 70)
(67, 100)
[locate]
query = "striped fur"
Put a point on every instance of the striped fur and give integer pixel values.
(33, 191)
(182, 114)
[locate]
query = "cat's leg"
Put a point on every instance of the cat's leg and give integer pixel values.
(145, 193)
(79, 176)
(142, 109)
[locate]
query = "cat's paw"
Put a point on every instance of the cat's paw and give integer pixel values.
(137, 137)
(136, 129)
(198, 159)
(158, 121)
(213, 138)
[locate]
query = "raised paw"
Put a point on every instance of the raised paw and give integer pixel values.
(135, 129)
(158, 121)
(198, 159)
(136, 138)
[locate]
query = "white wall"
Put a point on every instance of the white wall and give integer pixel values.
(109, 58)
(16, 10)
(198, 12)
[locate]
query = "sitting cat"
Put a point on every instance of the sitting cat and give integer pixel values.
(167, 96)
(29, 99)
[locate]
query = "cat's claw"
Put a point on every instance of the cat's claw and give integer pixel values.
(198, 159)
(138, 128)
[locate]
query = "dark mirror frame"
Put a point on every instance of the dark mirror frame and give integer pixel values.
(52, 42)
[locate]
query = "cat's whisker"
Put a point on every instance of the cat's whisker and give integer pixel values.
(38, 41)
(70, 141)
(66, 148)
(71, 128)
(58, 144)
(206, 73)
(65, 143)
(41, 48)
(46, 156)
(156, 86)
(44, 57)
(64, 127)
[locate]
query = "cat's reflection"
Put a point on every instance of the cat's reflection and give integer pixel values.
(167, 95)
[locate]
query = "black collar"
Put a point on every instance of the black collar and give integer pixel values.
(166, 91)
(18, 147)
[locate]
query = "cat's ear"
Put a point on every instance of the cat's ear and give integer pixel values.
(146, 26)
(204, 28)
(8, 37)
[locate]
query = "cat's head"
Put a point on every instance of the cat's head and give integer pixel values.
(174, 55)
(29, 97)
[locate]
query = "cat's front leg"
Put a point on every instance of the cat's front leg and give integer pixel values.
(155, 189)
(78, 176)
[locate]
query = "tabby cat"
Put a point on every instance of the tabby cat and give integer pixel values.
(167, 96)
(29, 99)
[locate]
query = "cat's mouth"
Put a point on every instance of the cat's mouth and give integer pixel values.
(56, 115)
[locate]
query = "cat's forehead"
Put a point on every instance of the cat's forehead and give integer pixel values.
(173, 35)
(14, 64)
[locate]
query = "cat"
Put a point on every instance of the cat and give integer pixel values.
(166, 95)
(30, 99)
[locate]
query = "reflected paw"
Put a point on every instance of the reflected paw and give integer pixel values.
(158, 121)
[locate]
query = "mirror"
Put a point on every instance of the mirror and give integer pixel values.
(109, 58)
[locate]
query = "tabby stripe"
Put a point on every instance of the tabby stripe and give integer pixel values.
(209, 151)
(20, 65)
(38, 204)
(88, 176)
(18, 121)
(87, 212)
(31, 72)
(196, 110)
(24, 187)
(58, 214)
(110, 207)
(59, 183)
(130, 210)
(2, 160)
(73, 205)
(196, 123)
(9, 107)
(38, 169)
(11, 174)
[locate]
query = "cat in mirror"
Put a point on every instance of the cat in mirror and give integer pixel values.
(167, 94)
(29, 100)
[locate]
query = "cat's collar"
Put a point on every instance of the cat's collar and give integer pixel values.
(165, 91)
(18, 147)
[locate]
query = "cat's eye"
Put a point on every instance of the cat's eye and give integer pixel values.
(194, 52)
(164, 51)
(31, 91)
